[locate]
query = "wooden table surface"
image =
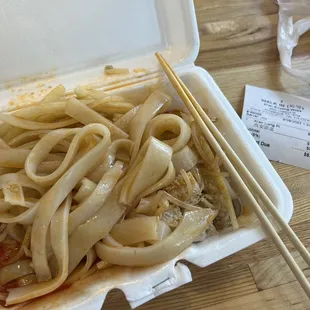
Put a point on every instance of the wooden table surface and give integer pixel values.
(238, 47)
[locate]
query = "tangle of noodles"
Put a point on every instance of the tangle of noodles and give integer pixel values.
(90, 180)
(172, 123)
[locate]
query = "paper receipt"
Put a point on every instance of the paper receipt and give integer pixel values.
(280, 124)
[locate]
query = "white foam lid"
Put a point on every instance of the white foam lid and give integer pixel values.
(39, 37)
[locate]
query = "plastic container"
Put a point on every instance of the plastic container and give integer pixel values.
(53, 42)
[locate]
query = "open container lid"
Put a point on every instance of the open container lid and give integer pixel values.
(70, 42)
(65, 38)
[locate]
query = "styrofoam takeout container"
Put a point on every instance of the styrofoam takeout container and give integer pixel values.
(45, 43)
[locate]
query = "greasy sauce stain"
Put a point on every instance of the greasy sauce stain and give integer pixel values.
(7, 251)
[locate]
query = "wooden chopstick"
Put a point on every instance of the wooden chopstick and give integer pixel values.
(244, 171)
(213, 135)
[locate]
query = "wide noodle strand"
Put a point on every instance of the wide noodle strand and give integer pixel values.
(90, 180)
(49, 203)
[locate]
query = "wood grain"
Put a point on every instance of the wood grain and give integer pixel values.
(284, 297)
(238, 47)
(207, 288)
(274, 271)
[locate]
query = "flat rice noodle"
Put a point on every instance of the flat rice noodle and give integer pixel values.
(34, 112)
(21, 251)
(109, 240)
(163, 232)
(3, 145)
(135, 230)
(15, 131)
(84, 237)
(59, 242)
(21, 180)
(28, 146)
(85, 188)
(26, 137)
(81, 273)
(52, 199)
(149, 167)
(43, 148)
(33, 125)
(192, 225)
(26, 280)
(80, 92)
(119, 149)
(94, 202)
(24, 218)
(4, 128)
(111, 107)
(51, 117)
(86, 115)
(14, 271)
(16, 231)
(156, 103)
(172, 123)
(4, 206)
(124, 121)
(185, 159)
(13, 158)
(91, 257)
(4, 170)
(48, 167)
(144, 206)
(165, 181)
(104, 97)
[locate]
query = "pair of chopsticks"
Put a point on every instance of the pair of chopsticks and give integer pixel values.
(233, 163)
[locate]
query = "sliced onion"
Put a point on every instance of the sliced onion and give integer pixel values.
(211, 163)
(180, 203)
(192, 225)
